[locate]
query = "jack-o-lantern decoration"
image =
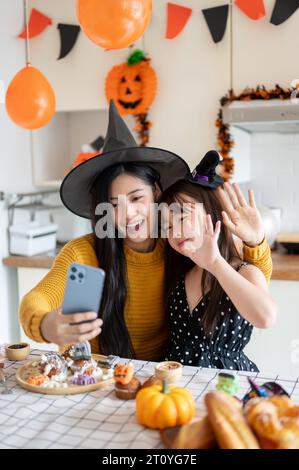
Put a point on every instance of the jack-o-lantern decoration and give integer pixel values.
(123, 373)
(133, 86)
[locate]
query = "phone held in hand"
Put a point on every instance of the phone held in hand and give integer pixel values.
(84, 289)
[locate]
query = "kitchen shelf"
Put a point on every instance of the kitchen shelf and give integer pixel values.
(55, 184)
(55, 147)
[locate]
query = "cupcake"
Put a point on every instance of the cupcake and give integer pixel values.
(126, 385)
(127, 391)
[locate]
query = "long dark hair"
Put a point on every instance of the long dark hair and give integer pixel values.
(115, 338)
(178, 265)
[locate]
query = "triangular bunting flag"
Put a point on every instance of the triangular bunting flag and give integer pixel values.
(282, 10)
(68, 37)
(37, 24)
(216, 19)
(177, 17)
(254, 9)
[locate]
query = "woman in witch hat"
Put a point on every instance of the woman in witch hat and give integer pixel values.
(132, 318)
(214, 298)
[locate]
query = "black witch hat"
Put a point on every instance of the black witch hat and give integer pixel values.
(119, 147)
(205, 172)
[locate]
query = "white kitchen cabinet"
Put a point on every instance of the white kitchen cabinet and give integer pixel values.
(27, 279)
(55, 146)
(241, 153)
(276, 350)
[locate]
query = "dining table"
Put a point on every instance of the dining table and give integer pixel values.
(99, 420)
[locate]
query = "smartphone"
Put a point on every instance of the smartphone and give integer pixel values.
(84, 289)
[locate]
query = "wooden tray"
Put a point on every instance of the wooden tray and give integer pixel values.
(25, 371)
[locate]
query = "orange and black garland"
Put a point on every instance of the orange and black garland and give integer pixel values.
(224, 138)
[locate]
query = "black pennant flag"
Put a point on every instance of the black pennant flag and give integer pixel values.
(68, 37)
(282, 10)
(216, 19)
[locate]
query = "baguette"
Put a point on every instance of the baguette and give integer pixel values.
(226, 418)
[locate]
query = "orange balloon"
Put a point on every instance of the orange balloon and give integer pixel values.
(114, 24)
(30, 99)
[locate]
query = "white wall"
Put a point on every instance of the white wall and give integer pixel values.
(193, 72)
(15, 144)
(263, 53)
(275, 350)
(15, 173)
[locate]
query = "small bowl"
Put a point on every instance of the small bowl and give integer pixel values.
(17, 351)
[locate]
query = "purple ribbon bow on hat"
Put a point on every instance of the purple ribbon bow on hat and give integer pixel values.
(198, 177)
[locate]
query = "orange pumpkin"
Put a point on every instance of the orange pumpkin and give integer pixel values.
(123, 373)
(132, 85)
(160, 407)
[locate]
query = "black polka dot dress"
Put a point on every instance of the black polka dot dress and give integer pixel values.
(222, 349)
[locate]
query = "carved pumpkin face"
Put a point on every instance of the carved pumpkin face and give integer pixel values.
(123, 373)
(132, 87)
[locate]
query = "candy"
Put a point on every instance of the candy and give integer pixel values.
(37, 379)
(83, 379)
(227, 383)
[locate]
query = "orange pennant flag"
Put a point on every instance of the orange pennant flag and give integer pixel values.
(177, 17)
(254, 9)
(36, 24)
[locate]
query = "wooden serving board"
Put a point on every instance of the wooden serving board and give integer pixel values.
(28, 369)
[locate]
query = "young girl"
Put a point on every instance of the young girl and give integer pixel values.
(217, 298)
(132, 320)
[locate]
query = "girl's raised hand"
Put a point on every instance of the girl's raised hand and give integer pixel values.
(242, 219)
(204, 251)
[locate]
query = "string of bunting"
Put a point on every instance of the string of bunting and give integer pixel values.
(177, 17)
(224, 139)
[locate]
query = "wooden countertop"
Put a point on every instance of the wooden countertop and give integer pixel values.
(285, 266)
(43, 260)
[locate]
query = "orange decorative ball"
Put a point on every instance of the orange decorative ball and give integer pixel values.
(114, 24)
(132, 85)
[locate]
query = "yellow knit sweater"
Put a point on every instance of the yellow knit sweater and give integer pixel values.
(144, 308)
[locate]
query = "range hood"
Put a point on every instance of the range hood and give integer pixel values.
(275, 115)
